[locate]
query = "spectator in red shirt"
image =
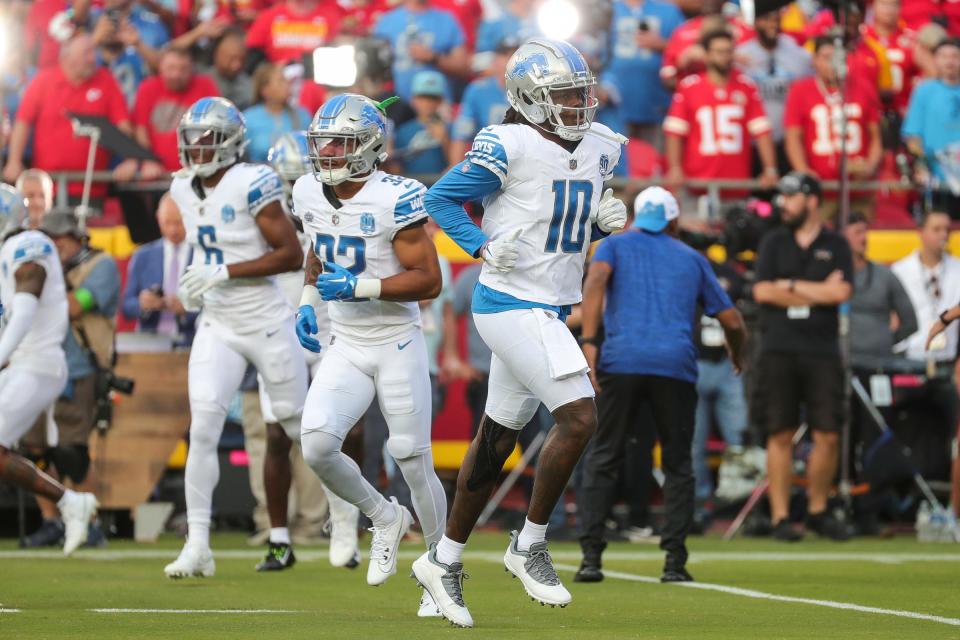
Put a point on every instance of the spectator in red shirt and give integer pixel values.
(684, 54)
(76, 85)
(812, 121)
(290, 29)
(712, 119)
(899, 42)
(161, 100)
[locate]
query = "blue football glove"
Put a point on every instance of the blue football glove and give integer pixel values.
(336, 283)
(307, 328)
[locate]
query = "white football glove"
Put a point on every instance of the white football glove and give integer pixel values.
(501, 254)
(611, 215)
(200, 278)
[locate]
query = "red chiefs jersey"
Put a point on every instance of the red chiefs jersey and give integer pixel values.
(687, 35)
(918, 13)
(904, 72)
(717, 123)
(816, 110)
(286, 36)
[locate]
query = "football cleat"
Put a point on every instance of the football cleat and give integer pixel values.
(384, 546)
(428, 608)
(279, 557)
(344, 542)
(193, 561)
(444, 583)
(76, 521)
(536, 572)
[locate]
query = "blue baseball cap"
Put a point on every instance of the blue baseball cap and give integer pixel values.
(654, 208)
(429, 83)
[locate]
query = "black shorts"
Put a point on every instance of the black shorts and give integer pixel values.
(788, 381)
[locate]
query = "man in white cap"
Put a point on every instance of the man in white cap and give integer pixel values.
(655, 288)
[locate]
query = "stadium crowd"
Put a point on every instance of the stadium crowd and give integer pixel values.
(701, 95)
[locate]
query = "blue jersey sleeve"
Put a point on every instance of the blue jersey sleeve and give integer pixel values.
(265, 189)
(409, 207)
(488, 152)
(444, 203)
(31, 249)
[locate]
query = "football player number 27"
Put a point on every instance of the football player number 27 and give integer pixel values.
(206, 236)
(571, 210)
(720, 129)
(326, 244)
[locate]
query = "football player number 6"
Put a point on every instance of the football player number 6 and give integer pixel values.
(206, 236)
(720, 129)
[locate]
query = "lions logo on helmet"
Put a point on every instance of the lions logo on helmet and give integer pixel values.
(211, 136)
(541, 78)
(290, 157)
(13, 211)
(347, 139)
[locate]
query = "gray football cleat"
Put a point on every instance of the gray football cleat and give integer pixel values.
(536, 572)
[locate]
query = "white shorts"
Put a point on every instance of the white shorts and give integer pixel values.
(218, 360)
(351, 374)
(24, 395)
(266, 407)
(535, 359)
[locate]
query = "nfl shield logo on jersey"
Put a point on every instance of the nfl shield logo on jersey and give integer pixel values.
(308, 217)
(604, 164)
(228, 213)
(367, 224)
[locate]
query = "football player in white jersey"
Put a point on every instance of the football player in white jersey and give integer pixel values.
(241, 238)
(368, 237)
(33, 368)
(540, 176)
(289, 157)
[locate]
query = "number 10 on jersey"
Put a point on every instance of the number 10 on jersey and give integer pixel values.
(571, 210)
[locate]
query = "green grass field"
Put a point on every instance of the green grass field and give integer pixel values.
(746, 589)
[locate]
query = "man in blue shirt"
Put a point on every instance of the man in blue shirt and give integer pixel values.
(421, 144)
(653, 286)
(484, 102)
(422, 38)
(639, 33)
(519, 21)
(932, 129)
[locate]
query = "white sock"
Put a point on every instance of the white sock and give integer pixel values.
(198, 533)
(449, 551)
(383, 514)
(69, 495)
(279, 535)
(531, 534)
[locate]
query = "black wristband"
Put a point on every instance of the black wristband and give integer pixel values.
(945, 322)
(594, 340)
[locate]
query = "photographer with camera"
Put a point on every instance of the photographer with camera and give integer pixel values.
(804, 272)
(93, 292)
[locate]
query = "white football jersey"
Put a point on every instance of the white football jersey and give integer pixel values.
(41, 350)
(549, 193)
(359, 236)
(222, 229)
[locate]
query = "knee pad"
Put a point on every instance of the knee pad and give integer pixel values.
(402, 447)
(319, 449)
(490, 457)
(72, 461)
(205, 429)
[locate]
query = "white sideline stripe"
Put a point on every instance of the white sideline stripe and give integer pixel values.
(231, 611)
(313, 554)
(760, 595)
(2, 610)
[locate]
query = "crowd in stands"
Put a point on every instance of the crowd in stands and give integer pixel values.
(700, 93)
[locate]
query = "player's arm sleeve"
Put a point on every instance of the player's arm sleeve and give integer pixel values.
(444, 202)
(265, 188)
(409, 210)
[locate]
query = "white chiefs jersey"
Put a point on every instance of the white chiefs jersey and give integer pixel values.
(549, 193)
(41, 350)
(359, 236)
(222, 229)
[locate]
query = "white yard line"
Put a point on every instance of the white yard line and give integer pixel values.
(760, 595)
(219, 611)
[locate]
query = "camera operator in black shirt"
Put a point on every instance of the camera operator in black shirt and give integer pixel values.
(804, 272)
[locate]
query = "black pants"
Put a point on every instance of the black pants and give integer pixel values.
(672, 405)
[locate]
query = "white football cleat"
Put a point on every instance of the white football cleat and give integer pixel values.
(384, 546)
(443, 583)
(536, 572)
(193, 562)
(344, 541)
(428, 608)
(76, 516)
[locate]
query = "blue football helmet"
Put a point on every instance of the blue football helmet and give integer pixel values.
(211, 135)
(13, 211)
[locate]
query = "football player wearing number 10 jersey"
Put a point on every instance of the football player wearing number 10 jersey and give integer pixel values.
(540, 176)
(241, 238)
